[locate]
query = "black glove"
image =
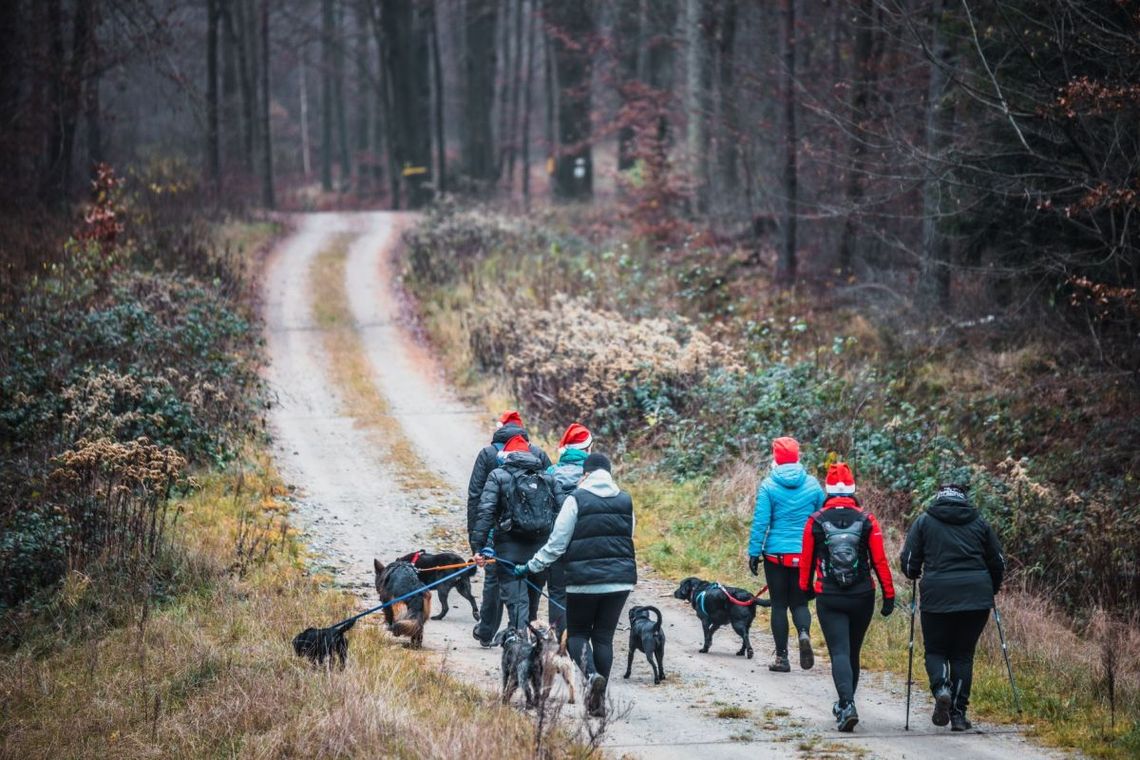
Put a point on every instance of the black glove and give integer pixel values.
(754, 565)
(888, 606)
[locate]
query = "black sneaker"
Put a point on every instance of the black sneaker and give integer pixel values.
(959, 721)
(942, 700)
(807, 657)
(482, 641)
(596, 696)
(780, 664)
(847, 718)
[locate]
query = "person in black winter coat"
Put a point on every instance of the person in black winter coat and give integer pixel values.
(509, 424)
(520, 598)
(958, 556)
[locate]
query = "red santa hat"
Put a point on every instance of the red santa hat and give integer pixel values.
(516, 443)
(510, 417)
(840, 481)
(576, 437)
(785, 451)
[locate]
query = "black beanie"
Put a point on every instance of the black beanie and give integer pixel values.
(596, 462)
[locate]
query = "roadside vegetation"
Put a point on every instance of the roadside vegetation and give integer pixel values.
(686, 364)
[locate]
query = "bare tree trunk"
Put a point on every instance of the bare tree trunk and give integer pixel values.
(728, 155)
(243, 39)
(437, 88)
(213, 128)
(573, 63)
(231, 119)
(267, 195)
(327, 21)
(479, 90)
(786, 263)
(504, 90)
(531, 42)
(405, 40)
(857, 151)
(306, 160)
(934, 277)
(695, 93)
(516, 90)
(67, 94)
(340, 111)
(629, 32)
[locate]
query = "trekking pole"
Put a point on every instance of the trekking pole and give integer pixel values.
(910, 648)
(1005, 654)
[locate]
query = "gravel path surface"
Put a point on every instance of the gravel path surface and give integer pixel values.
(352, 508)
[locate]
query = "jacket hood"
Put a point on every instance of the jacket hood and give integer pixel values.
(522, 460)
(952, 511)
(566, 474)
(791, 475)
(600, 483)
(506, 433)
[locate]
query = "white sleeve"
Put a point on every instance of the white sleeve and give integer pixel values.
(559, 539)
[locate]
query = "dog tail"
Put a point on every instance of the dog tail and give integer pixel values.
(409, 616)
(657, 612)
(346, 625)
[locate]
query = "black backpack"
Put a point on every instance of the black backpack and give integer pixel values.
(531, 506)
(843, 560)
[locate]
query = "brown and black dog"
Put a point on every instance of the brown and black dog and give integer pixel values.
(425, 562)
(404, 618)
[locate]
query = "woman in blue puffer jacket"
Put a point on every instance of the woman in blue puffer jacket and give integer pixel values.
(785, 500)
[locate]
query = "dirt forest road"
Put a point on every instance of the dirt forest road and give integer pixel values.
(352, 507)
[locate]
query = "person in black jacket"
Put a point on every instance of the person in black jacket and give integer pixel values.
(958, 557)
(593, 537)
(509, 424)
(496, 514)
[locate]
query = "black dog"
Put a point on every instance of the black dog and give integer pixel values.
(521, 664)
(424, 562)
(319, 643)
(645, 634)
(711, 601)
(407, 617)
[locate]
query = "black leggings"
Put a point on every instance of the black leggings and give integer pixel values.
(844, 619)
(593, 618)
(784, 588)
(951, 638)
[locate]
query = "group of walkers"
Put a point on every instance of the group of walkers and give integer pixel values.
(566, 526)
(822, 543)
(569, 527)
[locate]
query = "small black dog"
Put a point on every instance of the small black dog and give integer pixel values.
(407, 617)
(319, 643)
(521, 664)
(645, 634)
(424, 562)
(713, 607)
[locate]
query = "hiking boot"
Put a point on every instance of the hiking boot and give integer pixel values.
(835, 710)
(942, 701)
(482, 641)
(596, 696)
(847, 718)
(959, 721)
(807, 657)
(780, 664)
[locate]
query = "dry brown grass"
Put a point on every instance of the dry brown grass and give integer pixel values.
(211, 673)
(354, 374)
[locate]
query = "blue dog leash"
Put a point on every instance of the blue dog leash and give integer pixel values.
(490, 554)
(398, 599)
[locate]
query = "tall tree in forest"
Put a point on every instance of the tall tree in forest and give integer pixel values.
(864, 75)
(407, 55)
(343, 153)
(629, 41)
(67, 73)
(786, 261)
(213, 128)
(328, 20)
(517, 76)
(437, 92)
(363, 102)
(729, 135)
(934, 277)
(478, 143)
(531, 41)
(571, 30)
(696, 98)
(267, 194)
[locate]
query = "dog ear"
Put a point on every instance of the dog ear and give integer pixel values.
(377, 565)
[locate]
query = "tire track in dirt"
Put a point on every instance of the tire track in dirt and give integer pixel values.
(353, 508)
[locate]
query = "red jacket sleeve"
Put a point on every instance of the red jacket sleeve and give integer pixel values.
(807, 555)
(879, 559)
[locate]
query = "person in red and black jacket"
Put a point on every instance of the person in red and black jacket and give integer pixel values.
(842, 546)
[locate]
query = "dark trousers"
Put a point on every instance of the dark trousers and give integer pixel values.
(556, 587)
(491, 611)
(592, 619)
(844, 619)
(520, 595)
(784, 589)
(951, 638)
